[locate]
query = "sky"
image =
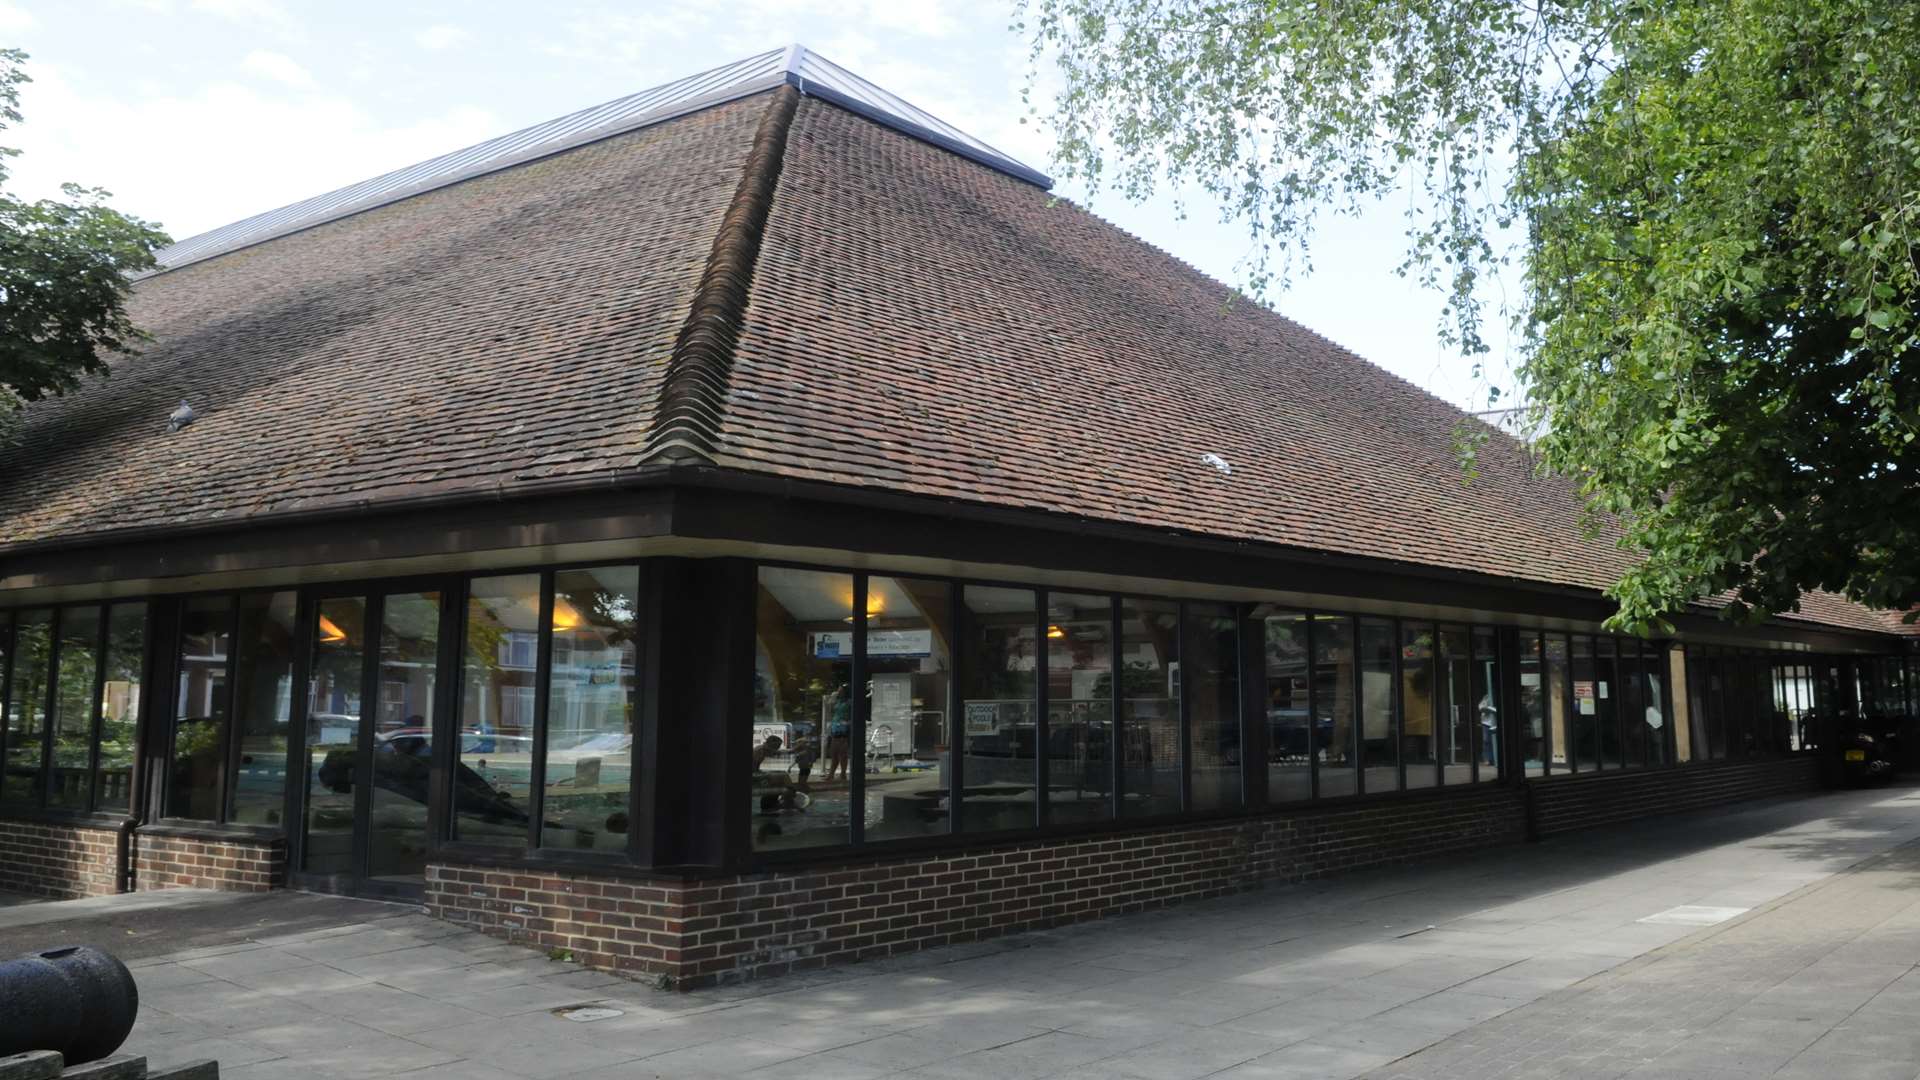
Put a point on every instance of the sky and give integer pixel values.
(195, 113)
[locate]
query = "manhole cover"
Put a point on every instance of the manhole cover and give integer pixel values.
(587, 1014)
(1694, 915)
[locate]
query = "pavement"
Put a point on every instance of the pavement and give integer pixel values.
(1774, 938)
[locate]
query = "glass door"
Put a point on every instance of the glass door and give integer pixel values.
(372, 707)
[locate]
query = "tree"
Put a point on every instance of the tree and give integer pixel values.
(64, 269)
(1715, 203)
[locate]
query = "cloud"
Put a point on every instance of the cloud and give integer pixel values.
(436, 38)
(279, 67)
(177, 157)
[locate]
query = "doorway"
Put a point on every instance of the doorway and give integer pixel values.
(375, 700)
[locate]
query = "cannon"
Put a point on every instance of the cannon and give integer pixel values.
(73, 999)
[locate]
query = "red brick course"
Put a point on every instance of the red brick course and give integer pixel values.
(190, 862)
(61, 861)
(697, 933)
(1587, 800)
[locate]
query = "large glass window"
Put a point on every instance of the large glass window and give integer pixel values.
(120, 685)
(198, 749)
(1150, 672)
(493, 782)
(1533, 705)
(263, 706)
(1210, 666)
(1420, 734)
(1080, 699)
(590, 708)
(79, 666)
(1334, 682)
(1377, 736)
(803, 716)
(1458, 717)
(1583, 743)
(335, 689)
(909, 685)
(1606, 699)
(27, 707)
(1292, 739)
(1632, 703)
(408, 659)
(1000, 662)
(1562, 728)
(1655, 708)
(1488, 749)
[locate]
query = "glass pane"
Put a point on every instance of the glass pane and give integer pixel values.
(1562, 729)
(1630, 689)
(1715, 701)
(909, 674)
(120, 706)
(1292, 739)
(263, 704)
(1333, 706)
(1457, 718)
(1606, 700)
(1211, 666)
(200, 710)
(73, 708)
(397, 832)
(1583, 748)
(803, 650)
(1377, 751)
(1655, 708)
(999, 659)
(1150, 672)
(1486, 704)
(1533, 705)
(493, 783)
(1079, 708)
(1680, 708)
(334, 690)
(27, 711)
(1419, 692)
(590, 708)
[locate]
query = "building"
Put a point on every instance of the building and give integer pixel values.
(752, 524)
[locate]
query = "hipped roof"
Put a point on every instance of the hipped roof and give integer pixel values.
(781, 284)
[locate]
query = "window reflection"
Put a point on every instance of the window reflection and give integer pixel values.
(263, 706)
(1420, 736)
(1080, 698)
(27, 709)
(590, 751)
(1533, 705)
(409, 652)
(1605, 697)
(1488, 747)
(1560, 727)
(909, 668)
(492, 785)
(1210, 664)
(1458, 717)
(1000, 660)
(120, 705)
(1378, 753)
(803, 709)
(1334, 680)
(1150, 672)
(201, 701)
(73, 707)
(1295, 735)
(335, 687)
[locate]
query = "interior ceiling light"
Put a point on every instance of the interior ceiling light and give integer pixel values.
(1056, 632)
(331, 632)
(565, 615)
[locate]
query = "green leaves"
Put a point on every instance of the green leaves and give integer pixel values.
(63, 277)
(1718, 200)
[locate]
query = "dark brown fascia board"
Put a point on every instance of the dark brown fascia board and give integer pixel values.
(704, 502)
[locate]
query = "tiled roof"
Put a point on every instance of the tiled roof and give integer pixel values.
(876, 311)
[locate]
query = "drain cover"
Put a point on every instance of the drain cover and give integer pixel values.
(587, 1014)
(1694, 915)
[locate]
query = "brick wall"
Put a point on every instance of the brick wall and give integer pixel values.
(1584, 801)
(56, 860)
(702, 932)
(173, 859)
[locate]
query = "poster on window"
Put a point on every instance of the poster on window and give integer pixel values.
(1583, 697)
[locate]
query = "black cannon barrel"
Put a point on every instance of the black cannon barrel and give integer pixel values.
(74, 999)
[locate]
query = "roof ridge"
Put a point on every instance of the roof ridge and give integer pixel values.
(693, 393)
